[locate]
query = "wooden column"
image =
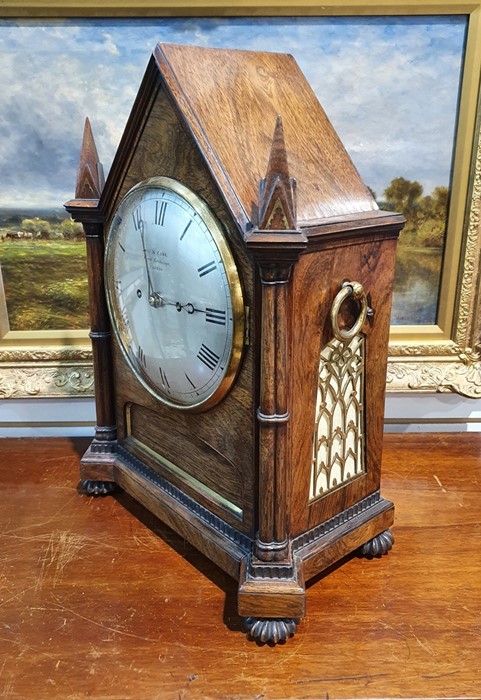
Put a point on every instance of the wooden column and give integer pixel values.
(273, 416)
(275, 244)
(270, 583)
(100, 333)
(85, 208)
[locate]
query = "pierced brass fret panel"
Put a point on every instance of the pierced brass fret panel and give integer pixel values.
(338, 445)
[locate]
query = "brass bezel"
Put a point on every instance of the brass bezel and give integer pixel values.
(234, 284)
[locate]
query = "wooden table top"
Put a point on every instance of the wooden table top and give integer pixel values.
(99, 600)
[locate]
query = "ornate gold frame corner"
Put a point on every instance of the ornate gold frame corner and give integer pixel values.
(441, 358)
(46, 370)
(452, 364)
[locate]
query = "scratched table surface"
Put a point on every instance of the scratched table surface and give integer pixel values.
(99, 600)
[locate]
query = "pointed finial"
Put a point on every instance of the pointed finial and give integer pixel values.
(90, 176)
(277, 195)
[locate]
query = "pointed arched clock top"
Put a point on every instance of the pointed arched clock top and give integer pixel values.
(230, 99)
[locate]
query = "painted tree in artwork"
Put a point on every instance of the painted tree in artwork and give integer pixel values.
(404, 194)
(433, 218)
(425, 216)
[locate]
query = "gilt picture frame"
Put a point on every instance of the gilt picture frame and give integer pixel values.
(440, 357)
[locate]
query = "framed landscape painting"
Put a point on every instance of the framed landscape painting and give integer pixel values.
(400, 84)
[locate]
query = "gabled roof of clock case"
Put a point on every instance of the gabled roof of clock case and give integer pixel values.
(229, 101)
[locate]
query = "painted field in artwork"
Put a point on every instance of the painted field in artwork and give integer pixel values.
(390, 86)
(44, 274)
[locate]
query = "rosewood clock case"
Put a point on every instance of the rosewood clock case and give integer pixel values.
(280, 479)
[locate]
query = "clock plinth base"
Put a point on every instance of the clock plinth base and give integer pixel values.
(275, 590)
(97, 464)
(271, 594)
(270, 630)
(271, 591)
(377, 546)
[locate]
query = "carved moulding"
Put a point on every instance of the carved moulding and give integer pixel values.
(46, 372)
(462, 376)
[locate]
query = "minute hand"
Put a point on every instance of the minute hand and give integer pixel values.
(154, 297)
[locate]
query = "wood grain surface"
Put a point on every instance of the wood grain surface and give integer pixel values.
(99, 600)
(371, 262)
(231, 99)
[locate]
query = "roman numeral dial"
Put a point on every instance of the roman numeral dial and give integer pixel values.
(207, 268)
(216, 316)
(174, 295)
(208, 357)
(160, 209)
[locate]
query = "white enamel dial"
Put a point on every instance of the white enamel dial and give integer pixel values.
(174, 294)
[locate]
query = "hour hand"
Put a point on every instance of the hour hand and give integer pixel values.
(156, 300)
(215, 316)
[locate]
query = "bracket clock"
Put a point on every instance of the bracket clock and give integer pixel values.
(240, 278)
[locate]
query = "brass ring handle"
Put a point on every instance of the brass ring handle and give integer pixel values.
(356, 291)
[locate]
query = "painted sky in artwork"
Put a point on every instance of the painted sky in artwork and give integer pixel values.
(389, 85)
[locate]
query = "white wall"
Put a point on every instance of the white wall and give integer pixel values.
(74, 417)
(431, 413)
(46, 417)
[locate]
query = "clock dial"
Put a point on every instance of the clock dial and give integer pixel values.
(174, 294)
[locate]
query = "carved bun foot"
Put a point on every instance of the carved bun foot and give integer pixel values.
(379, 545)
(269, 630)
(96, 488)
